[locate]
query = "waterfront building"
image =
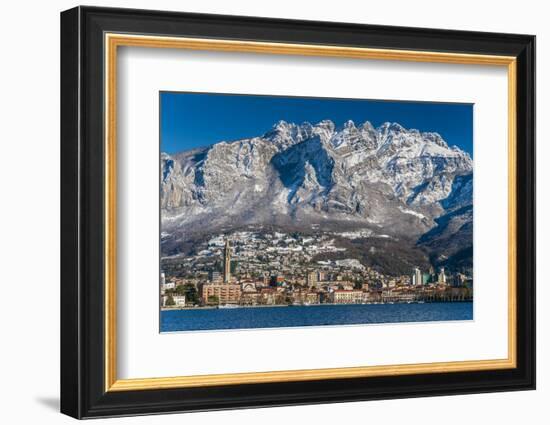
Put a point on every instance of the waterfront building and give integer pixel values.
(313, 297)
(224, 293)
(346, 296)
(366, 297)
(250, 298)
(179, 300)
(305, 297)
(270, 296)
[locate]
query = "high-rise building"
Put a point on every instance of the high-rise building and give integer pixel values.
(162, 286)
(433, 276)
(417, 276)
(311, 278)
(441, 278)
(227, 262)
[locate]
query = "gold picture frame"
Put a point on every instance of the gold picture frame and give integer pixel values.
(114, 41)
(91, 40)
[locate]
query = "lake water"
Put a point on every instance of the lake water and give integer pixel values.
(317, 315)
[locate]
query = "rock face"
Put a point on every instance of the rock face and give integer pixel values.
(392, 180)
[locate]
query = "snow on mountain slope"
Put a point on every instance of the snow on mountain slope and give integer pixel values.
(355, 176)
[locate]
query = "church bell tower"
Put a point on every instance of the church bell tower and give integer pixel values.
(227, 262)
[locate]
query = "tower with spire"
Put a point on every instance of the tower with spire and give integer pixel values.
(227, 262)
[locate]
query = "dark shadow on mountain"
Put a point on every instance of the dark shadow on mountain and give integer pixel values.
(443, 224)
(199, 180)
(200, 156)
(416, 191)
(460, 261)
(290, 164)
(461, 192)
(168, 166)
(450, 242)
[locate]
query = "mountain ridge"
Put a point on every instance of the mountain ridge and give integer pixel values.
(387, 179)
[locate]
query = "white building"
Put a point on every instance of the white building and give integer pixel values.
(441, 278)
(179, 300)
(417, 277)
(169, 285)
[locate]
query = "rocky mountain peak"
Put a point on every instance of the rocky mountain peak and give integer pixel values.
(390, 181)
(349, 125)
(391, 178)
(391, 127)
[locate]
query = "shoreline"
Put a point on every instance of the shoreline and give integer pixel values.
(307, 305)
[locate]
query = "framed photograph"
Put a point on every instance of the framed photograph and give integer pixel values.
(261, 212)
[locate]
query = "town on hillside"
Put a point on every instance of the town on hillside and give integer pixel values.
(276, 269)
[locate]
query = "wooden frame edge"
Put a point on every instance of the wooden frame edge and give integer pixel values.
(307, 375)
(110, 213)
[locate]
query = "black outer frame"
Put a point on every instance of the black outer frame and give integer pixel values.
(82, 206)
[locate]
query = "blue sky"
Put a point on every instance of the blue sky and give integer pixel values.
(190, 120)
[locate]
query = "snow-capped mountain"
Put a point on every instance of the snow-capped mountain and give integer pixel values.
(388, 179)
